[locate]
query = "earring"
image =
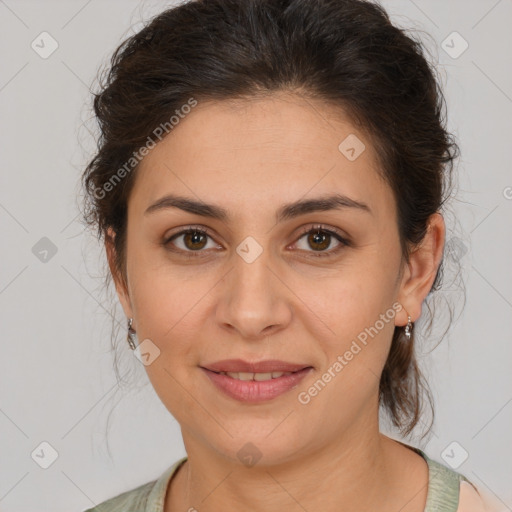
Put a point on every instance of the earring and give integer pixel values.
(408, 327)
(131, 335)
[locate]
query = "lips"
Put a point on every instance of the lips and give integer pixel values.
(256, 391)
(241, 366)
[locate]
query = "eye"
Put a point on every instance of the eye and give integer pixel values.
(192, 240)
(320, 238)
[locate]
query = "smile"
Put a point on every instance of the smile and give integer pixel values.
(255, 376)
(251, 387)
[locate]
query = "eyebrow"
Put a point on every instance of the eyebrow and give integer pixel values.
(285, 212)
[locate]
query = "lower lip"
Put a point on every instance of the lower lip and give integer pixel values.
(250, 391)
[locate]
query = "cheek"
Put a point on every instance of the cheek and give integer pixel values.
(346, 302)
(161, 293)
(168, 312)
(353, 357)
(351, 317)
(172, 308)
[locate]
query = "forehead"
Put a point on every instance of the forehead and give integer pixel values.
(262, 152)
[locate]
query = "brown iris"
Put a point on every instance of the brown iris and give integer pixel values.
(318, 239)
(194, 237)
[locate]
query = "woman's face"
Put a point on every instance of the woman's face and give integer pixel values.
(255, 286)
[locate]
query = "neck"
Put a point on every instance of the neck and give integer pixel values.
(356, 470)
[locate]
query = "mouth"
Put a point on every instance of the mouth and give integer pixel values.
(259, 371)
(256, 387)
(257, 376)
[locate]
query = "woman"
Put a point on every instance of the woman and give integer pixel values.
(269, 185)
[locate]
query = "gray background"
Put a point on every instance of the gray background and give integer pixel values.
(57, 380)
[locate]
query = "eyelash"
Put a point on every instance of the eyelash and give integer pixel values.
(344, 242)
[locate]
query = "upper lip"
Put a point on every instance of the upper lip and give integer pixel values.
(239, 365)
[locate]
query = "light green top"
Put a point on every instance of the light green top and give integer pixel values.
(442, 494)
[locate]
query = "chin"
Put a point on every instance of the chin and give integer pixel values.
(259, 448)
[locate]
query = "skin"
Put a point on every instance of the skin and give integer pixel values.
(250, 157)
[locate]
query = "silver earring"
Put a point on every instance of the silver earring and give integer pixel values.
(131, 335)
(408, 328)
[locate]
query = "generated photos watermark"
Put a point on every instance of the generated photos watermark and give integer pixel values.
(158, 133)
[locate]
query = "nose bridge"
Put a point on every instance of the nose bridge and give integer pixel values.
(253, 299)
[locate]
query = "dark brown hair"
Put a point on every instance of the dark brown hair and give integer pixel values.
(342, 52)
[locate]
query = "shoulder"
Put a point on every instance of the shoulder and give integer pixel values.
(473, 499)
(135, 499)
(450, 490)
(146, 497)
(469, 498)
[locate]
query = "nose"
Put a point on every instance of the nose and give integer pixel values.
(254, 302)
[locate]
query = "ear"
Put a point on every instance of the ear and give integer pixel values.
(120, 284)
(420, 273)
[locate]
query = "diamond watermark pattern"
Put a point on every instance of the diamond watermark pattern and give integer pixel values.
(249, 454)
(44, 250)
(456, 248)
(249, 250)
(44, 455)
(454, 455)
(44, 45)
(351, 147)
(146, 352)
(454, 45)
